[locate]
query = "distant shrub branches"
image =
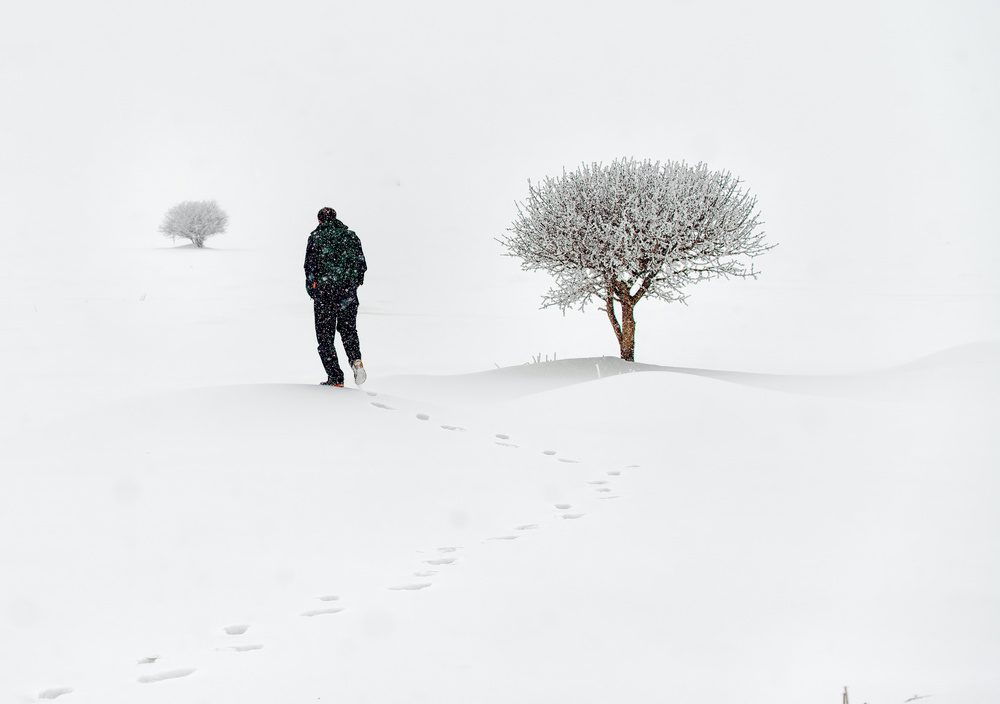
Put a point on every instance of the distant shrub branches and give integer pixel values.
(195, 220)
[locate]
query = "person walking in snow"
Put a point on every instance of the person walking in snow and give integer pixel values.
(335, 267)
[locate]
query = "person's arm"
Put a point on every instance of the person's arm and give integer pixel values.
(362, 265)
(310, 269)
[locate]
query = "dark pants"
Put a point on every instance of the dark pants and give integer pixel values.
(337, 313)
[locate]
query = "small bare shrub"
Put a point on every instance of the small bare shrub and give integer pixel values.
(195, 220)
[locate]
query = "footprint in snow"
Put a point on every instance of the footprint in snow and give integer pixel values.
(603, 490)
(323, 611)
(448, 549)
(237, 630)
(425, 574)
(55, 692)
(569, 461)
(548, 452)
(371, 393)
(605, 498)
(383, 406)
(599, 482)
(423, 416)
(168, 675)
(452, 427)
(438, 561)
(329, 597)
(501, 436)
(614, 472)
(571, 516)
(505, 537)
(505, 444)
(147, 661)
(528, 526)
(410, 587)
(563, 507)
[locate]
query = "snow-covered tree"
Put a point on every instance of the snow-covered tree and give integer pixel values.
(632, 229)
(195, 220)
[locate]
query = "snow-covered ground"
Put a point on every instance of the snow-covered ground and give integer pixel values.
(187, 517)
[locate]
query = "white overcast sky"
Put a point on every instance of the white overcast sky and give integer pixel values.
(867, 129)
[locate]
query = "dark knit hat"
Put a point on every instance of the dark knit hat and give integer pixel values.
(327, 215)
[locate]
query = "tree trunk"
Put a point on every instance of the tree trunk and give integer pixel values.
(627, 341)
(625, 330)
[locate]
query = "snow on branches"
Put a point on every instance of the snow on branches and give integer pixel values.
(633, 229)
(194, 220)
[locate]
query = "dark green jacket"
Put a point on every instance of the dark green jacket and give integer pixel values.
(335, 264)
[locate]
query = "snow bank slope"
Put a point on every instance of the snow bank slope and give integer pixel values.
(967, 369)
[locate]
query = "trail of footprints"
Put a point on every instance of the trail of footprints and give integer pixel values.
(441, 558)
(445, 556)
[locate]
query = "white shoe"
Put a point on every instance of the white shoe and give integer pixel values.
(360, 375)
